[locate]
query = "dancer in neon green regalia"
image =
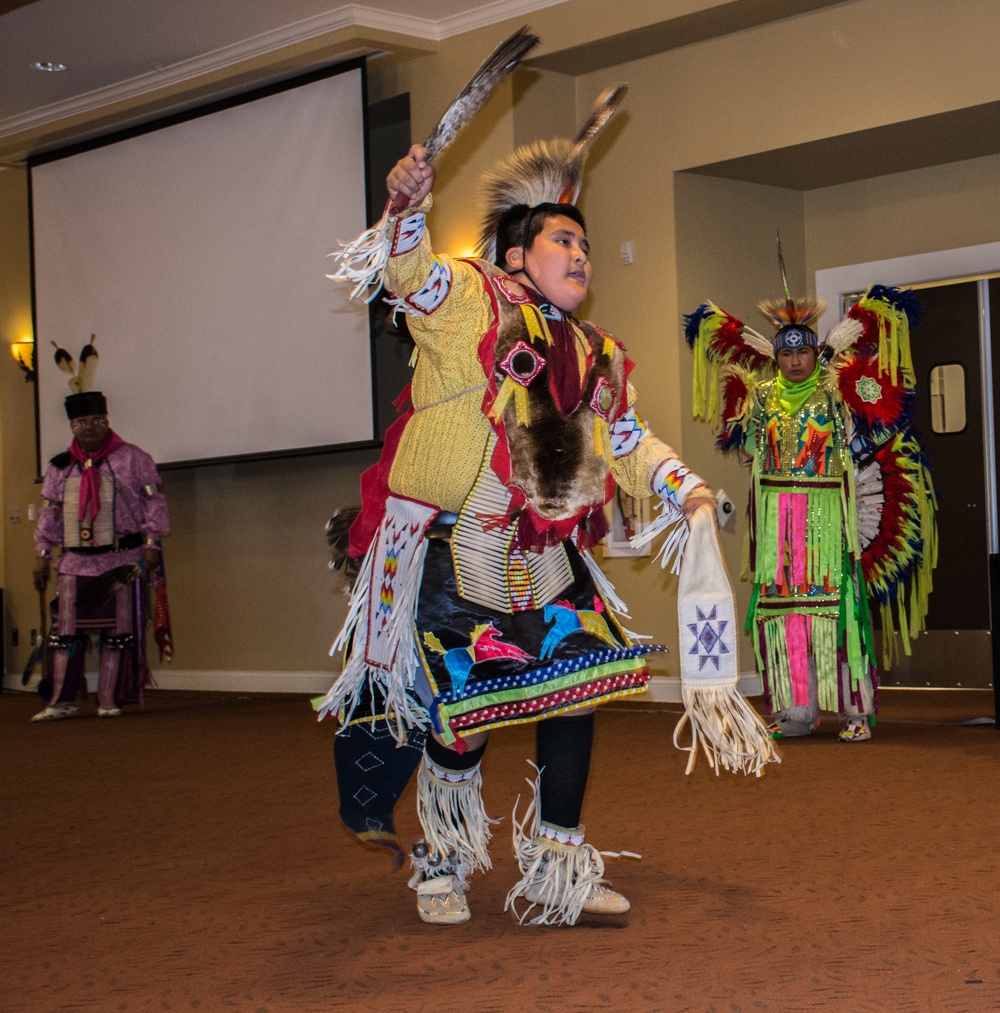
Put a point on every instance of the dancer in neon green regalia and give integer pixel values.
(841, 503)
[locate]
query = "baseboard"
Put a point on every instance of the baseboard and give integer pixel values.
(244, 682)
(667, 688)
(662, 688)
(221, 681)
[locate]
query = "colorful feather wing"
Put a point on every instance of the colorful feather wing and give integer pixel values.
(719, 340)
(887, 316)
(878, 407)
(736, 409)
(897, 531)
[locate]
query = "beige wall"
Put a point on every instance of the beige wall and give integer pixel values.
(18, 489)
(941, 208)
(250, 591)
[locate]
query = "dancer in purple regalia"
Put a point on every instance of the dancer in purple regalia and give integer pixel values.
(104, 508)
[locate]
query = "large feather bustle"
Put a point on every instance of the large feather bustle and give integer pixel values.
(800, 312)
(737, 384)
(473, 96)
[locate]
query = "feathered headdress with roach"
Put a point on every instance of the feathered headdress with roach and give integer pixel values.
(793, 318)
(545, 172)
(81, 371)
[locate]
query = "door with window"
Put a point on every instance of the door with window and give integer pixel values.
(948, 362)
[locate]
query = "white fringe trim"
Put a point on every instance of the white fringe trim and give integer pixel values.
(558, 877)
(401, 711)
(607, 590)
(454, 820)
(728, 729)
(363, 260)
(670, 520)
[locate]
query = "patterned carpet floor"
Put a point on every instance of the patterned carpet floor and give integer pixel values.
(188, 857)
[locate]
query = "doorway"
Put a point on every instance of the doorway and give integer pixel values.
(956, 373)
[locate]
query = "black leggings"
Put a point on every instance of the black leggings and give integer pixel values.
(563, 754)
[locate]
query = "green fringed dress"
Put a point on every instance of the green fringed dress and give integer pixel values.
(808, 614)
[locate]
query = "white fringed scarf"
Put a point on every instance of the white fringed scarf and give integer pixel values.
(729, 731)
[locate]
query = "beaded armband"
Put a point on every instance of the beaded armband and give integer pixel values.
(672, 482)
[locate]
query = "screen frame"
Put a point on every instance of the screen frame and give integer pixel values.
(194, 112)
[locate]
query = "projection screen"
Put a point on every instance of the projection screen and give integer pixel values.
(197, 253)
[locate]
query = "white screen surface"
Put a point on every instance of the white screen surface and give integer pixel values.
(197, 255)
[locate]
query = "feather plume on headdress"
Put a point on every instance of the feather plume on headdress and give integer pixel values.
(81, 372)
(88, 364)
(545, 172)
(362, 261)
(792, 312)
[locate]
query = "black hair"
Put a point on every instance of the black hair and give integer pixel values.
(520, 224)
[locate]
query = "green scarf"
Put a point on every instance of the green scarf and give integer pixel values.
(794, 395)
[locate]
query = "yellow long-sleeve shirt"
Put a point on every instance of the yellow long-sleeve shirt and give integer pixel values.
(442, 446)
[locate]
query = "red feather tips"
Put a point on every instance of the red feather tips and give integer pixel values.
(735, 396)
(888, 561)
(868, 340)
(879, 407)
(730, 347)
(720, 336)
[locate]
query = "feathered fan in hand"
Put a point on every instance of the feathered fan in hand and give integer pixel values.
(363, 260)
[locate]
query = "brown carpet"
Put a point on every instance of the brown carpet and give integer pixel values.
(188, 857)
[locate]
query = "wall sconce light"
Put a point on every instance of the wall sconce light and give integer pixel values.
(24, 352)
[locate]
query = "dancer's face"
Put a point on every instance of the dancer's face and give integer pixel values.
(90, 431)
(797, 364)
(558, 262)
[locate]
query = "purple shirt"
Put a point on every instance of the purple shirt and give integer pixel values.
(135, 510)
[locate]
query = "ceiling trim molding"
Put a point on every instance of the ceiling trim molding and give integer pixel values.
(490, 14)
(347, 16)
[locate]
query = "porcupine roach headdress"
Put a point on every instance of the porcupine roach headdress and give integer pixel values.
(792, 317)
(545, 172)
